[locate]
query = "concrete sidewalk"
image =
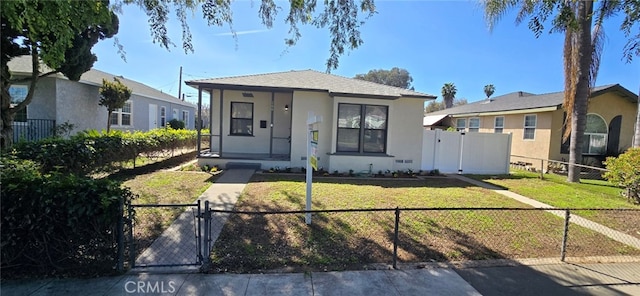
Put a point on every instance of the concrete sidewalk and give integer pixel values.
(177, 244)
(511, 279)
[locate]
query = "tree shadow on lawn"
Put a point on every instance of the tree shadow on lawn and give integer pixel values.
(334, 241)
(430, 182)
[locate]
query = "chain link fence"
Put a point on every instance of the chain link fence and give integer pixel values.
(548, 166)
(358, 239)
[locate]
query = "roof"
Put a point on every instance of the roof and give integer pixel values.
(430, 120)
(523, 101)
(309, 80)
(22, 65)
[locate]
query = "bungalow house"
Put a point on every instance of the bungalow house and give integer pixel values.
(536, 122)
(262, 120)
(58, 100)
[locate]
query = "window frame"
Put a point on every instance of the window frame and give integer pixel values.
(231, 119)
(525, 127)
(464, 125)
(185, 117)
(474, 129)
(118, 113)
(362, 130)
(163, 116)
(590, 134)
(24, 111)
(496, 127)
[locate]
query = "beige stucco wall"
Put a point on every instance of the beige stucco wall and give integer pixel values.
(321, 104)
(537, 147)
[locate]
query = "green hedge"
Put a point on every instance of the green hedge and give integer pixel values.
(57, 223)
(94, 152)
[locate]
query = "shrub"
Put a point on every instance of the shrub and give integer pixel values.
(624, 171)
(95, 152)
(57, 223)
(176, 124)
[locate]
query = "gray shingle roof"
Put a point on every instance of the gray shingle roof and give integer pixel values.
(309, 80)
(22, 65)
(523, 101)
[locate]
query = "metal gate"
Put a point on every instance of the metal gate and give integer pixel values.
(165, 235)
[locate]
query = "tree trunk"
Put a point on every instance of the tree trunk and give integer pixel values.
(579, 112)
(448, 103)
(109, 120)
(636, 135)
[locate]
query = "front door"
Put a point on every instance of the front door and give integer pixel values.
(281, 133)
(153, 116)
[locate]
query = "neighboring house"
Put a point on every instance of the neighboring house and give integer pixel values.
(262, 120)
(536, 122)
(58, 100)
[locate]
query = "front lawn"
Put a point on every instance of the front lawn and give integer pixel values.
(555, 191)
(347, 240)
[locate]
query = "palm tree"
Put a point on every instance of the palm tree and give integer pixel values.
(581, 55)
(448, 93)
(489, 89)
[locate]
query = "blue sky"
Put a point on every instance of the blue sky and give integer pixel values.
(436, 41)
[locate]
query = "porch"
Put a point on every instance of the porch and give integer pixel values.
(228, 160)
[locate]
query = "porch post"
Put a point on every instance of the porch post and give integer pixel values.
(199, 127)
(271, 125)
(221, 121)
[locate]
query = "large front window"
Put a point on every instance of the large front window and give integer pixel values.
(122, 116)
(594, 141)
(358, 135)
(241, 118)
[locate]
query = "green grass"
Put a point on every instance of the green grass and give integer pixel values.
(337, 241)
(555, 191)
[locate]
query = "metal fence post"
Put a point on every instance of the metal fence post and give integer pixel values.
(207, 236)
(395, 238)
(132, 245)
(565, 235)
(542, 169)
(199, 238)
(120, 263)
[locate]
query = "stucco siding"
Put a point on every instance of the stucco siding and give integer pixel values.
(258, 142)
(321, 104)
(610, 105)
(77, 103)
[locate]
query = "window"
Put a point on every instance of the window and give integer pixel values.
(474, 124)
(594, 141)
(18, 93)
(241, 118)
(356, 135)
(461, 124)
(175, 114)
(163, 116)
(530, 127)
(498, 124)
(185, 118)
(122, 116)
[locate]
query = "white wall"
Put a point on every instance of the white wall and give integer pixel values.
(471, 153)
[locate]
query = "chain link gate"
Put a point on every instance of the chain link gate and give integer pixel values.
(165, 235)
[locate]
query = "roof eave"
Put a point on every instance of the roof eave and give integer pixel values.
(617, 88)
(508, 112)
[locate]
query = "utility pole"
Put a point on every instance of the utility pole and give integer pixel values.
(180, 85)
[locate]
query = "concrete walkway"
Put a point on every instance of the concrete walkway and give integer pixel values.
(609, 232)
(177, 244)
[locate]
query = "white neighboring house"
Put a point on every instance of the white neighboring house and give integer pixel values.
(261, 120)
(58, 100)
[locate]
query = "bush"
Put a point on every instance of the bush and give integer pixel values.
(57, 223)
(176, 124)
(624, 171)
(94, 152)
